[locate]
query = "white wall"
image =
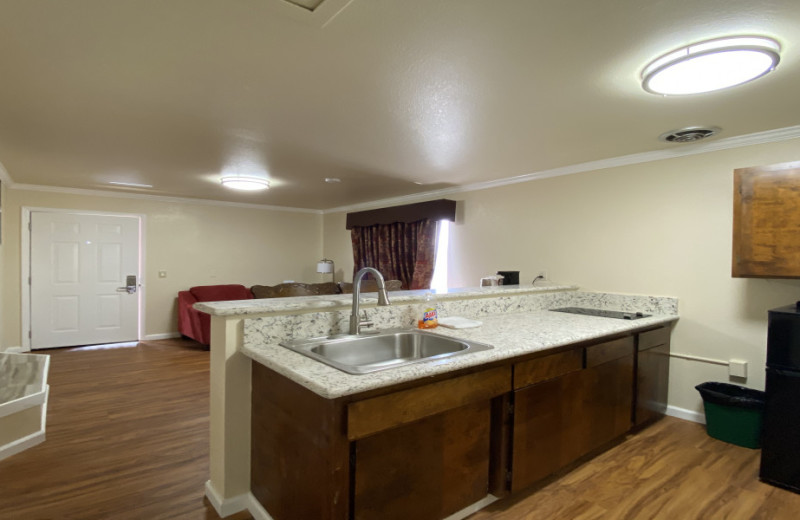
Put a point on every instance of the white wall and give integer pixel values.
(337, 245)
(196, 243)
(3, 238)
(660, 228)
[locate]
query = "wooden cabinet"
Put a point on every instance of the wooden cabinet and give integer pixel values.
(428, 449)
(608, 398)
(548, 428)
(425, 470)
(766, 221)
(422, 452)
(652, 375)
(299, 455)
(559, 419)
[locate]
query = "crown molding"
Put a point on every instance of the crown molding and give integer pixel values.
(4, 176)
(159, 198)
(769, 136)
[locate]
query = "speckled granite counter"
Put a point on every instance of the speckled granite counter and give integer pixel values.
(512, 325)
(21, 375)
(23, 401)
(341, 301)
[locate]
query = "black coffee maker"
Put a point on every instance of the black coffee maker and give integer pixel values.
(509, 277)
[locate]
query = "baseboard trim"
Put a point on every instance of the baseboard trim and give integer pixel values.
(686, 415)
(164, 335)
(254, 507)
(230, 506)
(474, 508)
(257, 510)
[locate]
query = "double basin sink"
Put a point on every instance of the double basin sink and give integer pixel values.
(363, 354)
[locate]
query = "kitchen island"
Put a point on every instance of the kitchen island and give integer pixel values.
(317, 442)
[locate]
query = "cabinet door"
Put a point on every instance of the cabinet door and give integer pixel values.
(549, 425)
(766, 217)
(608, 401)
(558, 421)
(652, 383)
(428, 469)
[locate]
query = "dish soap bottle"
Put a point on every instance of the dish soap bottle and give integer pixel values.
(429, 318)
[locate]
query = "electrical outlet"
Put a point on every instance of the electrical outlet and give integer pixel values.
(737, 368)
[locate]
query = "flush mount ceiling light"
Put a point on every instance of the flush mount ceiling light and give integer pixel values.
(244, 182)
(711, 65)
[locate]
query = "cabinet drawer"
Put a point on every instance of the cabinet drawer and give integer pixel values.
(609, 351)
(544, 368)
(653, 338)
(387, 411)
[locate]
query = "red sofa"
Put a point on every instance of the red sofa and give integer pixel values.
(196, 324)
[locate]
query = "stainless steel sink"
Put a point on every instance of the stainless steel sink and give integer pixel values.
(389, 349)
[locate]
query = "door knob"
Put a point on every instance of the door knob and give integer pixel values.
(130, 284)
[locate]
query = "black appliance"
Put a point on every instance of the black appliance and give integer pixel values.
(620, 315)
(780, 443)
(509, 277)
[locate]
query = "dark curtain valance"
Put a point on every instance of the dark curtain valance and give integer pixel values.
(434, 210)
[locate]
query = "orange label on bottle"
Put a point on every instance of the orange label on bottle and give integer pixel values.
(429, 319)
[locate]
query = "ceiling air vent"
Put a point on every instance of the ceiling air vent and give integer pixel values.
(690, 134)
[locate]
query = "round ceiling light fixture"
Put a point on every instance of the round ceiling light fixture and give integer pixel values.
(711, 65)
(244, 182)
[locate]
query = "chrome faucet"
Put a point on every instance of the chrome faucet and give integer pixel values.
(355, 321)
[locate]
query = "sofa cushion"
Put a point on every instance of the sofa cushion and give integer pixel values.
(221, 293)
(371, 286)
(284, 290)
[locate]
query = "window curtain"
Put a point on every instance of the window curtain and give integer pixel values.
(402, 251)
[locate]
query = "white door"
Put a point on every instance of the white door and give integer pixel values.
(80, 269)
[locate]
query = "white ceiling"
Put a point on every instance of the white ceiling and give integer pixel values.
(382, 95)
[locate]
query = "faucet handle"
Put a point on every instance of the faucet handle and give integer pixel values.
(366, 323)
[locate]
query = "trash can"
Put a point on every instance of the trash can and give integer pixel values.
(733, 413)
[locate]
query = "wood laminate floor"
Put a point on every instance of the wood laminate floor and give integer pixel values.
(670, 471)
(127, 438)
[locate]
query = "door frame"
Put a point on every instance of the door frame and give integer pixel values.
(25, 265)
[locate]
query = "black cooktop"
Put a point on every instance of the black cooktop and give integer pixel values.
(620, 315)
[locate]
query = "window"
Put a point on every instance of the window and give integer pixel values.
(439, 281)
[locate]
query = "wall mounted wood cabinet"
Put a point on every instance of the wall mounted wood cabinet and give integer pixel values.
(766, 221)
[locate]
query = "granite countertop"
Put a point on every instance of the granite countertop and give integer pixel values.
(341, 301)
(22, 375)
(511, 335)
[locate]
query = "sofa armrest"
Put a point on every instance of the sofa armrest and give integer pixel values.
(189, 319)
